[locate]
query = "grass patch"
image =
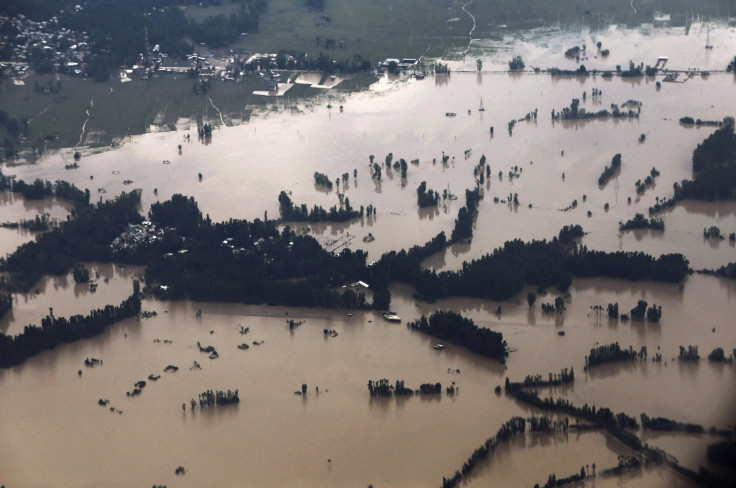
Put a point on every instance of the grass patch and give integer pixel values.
(119, 109)
(199, 14)
(359, 82)
(378, 29)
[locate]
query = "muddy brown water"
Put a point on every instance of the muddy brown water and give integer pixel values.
(53, 432)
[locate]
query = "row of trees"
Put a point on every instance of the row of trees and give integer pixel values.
(385, 389)
(263, 265)
(610, 353)
(462, 331)
(502, 273)
(515, 425)
(662, 423)
(641, 222)
(466, 216)
(300, 213)
(609, 171)
(212, 398)
(575, 112)
(57, 330)
(553, 379)
(41, 189)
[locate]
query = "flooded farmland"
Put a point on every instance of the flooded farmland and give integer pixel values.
(54, 432)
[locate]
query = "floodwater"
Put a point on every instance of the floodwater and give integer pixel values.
(109, 284)
(14, 209)
(242, 163)
(51, 427)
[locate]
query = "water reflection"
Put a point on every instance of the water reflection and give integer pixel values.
(428, 212)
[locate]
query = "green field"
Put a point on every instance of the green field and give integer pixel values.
(118, 109)
(201, 13)
(377, 29)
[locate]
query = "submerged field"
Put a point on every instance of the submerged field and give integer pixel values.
(53, 431)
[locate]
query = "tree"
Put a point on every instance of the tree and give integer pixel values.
(381, 299)
(516, 63)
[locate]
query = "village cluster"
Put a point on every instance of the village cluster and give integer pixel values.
(41, 46)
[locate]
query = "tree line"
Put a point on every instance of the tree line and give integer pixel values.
(384, 388)
(254, 262)
(609, 171)
(56, 330)
(609, 353)
(291, 212)
(641, 222)
(451, 326)
(40, 189)
(714, 168)
(85, 236)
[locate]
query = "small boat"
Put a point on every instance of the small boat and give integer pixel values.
(450, 114)
(439, 347)
(391, 317)
(481, 109)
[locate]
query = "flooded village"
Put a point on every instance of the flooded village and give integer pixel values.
(446, 270)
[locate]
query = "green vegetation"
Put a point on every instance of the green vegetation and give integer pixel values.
(608, 172)
(662, 423)
(717, 150)
(254, 262)
(714, 165)
(516, 63)
(689, 354)
(723, 453)
(575, 112)
(513, 426)
(382, 28)
(686, 120)
(553, 379)
(54, 331)
(466, 216)
(122, 109)
(40, 189)
(426, 198)
(358, 82)
(117, 31)
(12, 131)
(610, 353)
(462, 331)
(383, 388)
(652, 314)
(641, 222)
(300, 213)
(569, 233)
(217, 398)
(322, 179)
(80, 274)
(641, 186)
(86, 237)
(6, 302)
(718, 356)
